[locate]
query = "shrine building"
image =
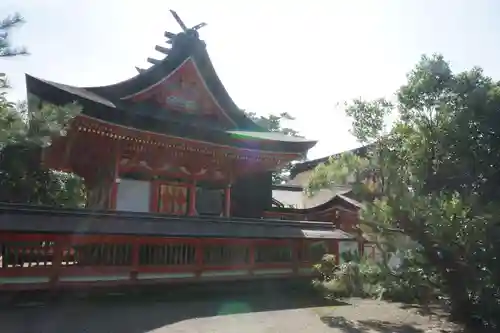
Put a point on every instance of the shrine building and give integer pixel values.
(168, 140)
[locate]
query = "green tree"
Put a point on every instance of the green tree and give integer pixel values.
(432, 176)
(23, 134)
(6, 49)
(6, 25)
(274, 123)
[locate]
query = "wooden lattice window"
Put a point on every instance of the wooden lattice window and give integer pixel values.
(225, 254)
(170, 254)
(26, 254)
(273, 253)
(97, 254)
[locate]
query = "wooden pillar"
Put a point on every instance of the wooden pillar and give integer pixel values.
(113, 194)
(56, 262)
(227, 200)
(199, 256)
(296, 247)
(251, 259)
(114, 185)
(192, 199)
(134, 269)
(154, 196)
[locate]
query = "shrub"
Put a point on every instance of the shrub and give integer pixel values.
(361, 277)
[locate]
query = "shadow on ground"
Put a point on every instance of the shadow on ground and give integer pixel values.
(364, 326)
(146, 310)
(436, 310)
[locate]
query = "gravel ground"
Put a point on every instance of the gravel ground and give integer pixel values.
(250, 314)
(366, 316)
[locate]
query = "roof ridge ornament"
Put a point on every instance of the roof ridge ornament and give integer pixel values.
(186, 30)
(171, 37)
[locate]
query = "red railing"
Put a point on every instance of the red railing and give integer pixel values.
(45, 261)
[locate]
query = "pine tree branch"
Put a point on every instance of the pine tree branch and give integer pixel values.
(6, 25)
(11, 22)
(12, 52)
(4, 83)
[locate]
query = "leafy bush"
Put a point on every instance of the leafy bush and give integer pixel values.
(361, 277)
(346, 279)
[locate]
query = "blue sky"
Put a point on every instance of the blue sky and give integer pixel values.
(303, 57)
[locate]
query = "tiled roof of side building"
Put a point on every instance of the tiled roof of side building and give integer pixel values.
(311, 164)
(335, 200)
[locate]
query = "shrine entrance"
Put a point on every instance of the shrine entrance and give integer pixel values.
(172, 198)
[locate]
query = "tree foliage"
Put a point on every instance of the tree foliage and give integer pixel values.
(23, 133)
(6, 49)
(433, 176)
(359, 276)
(274, 123)
(6, 25)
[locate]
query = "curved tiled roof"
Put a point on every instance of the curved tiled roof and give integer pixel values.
(109, 103)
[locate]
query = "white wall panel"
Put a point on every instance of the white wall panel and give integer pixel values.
(133, 195)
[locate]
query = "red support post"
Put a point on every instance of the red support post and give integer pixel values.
(227, 201)
(199, 257)
(251, 259)
(192, 199)
(57, 255)
(114, 186)
(113, 195)
(296, 246)
(154, 197)
(134, 271)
